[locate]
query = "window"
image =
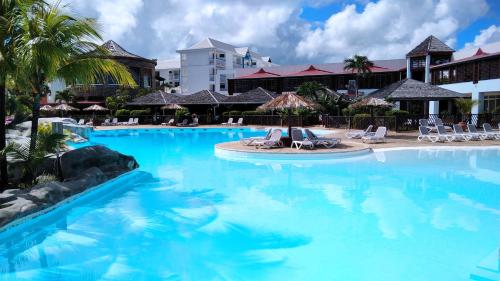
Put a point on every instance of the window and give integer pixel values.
(491, 102)
(223, 82)
(222, 56)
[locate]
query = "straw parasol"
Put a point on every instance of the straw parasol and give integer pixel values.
(172, 106)
(95, 107)
(46, 108)
(65, 107)
(289, 101)
(372, 103)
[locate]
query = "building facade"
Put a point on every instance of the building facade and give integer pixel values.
(170, 70)
(209, 64)
(475, 74)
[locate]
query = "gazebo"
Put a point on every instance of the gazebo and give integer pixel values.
(412, 91)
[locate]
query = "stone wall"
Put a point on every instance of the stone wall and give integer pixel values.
(82, 169)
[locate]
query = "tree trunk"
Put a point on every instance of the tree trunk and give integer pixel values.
(34, 122)
(3, 160)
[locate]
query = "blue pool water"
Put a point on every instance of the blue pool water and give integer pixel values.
(413, 215)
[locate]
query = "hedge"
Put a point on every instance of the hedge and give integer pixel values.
(123, 113)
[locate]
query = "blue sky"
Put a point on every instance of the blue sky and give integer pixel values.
(295, 31)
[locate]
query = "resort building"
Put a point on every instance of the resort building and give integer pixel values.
(170, 71)
(142, 70)
(209, 64)
(475, 75)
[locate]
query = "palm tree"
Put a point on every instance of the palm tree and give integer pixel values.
(359, 64)
(464, 106)
(9, 9)
(56, 45)
(311, 90)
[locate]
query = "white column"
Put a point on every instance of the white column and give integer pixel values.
(408, 68)
(434, 107)
(427, 68)
(479, 97)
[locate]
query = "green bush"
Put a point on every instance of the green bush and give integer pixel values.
(397, 112)
(123, 113)
(137, 113)
(181, 113)
(234, 113)
(361, 120)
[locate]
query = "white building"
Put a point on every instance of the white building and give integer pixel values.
(208, 64)
(170, 70)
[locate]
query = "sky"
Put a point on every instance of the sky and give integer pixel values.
(294, 31)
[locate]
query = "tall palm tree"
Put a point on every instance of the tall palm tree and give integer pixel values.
(9, 9)
(359, 64)
(57, 45)
(310, 90)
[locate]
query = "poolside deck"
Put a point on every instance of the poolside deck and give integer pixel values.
(393, 140)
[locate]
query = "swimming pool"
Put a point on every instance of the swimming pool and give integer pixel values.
(188, 215)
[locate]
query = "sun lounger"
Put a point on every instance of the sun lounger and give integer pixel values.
(488, 130)
(457, 129)
(317, 141)
(114, 122)
(130, 122)
(379, 136)
(472, 130)
(81, 122)
(443, 135)
(273, 141)
(250, 141)
(136, 121)
(184, 123)
(194, 123)
(426, 135)
(106, 123)
(439, 122)
(228, 123)
(239, 123)
(298, 140)
(359, 134)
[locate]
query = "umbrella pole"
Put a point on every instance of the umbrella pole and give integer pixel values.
(289, 123)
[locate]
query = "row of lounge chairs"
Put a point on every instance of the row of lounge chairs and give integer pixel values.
(458, 133)
(273, 138)
(368, 136)
(114, 122)
(231, 123)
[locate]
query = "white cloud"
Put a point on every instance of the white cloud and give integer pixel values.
(486, 36)
(388, 29)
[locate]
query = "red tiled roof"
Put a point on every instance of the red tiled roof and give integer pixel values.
(478, 55)
(311, 71)
(260, 74)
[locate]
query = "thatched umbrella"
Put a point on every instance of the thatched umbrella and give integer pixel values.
(289, 101)
(372, 103)
(95, 107)
(63, 107)
(46, 108)
(172, 106)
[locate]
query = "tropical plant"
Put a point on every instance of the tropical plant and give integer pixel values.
(53, 45)
(32, 161)
(464, 106)
(179, 113)
(65, 96)
(359, 64)
(311, 90)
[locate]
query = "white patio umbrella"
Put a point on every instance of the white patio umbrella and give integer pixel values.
(46, 108)
(95, 107)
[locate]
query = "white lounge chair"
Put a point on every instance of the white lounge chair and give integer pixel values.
(298, 140)
(114, 122)
(379, 136)
(273, 141)
(457, 129)
(239, 123)
(439, 122)
(81, 122)
(443, 135)
(184, 123)
(250, 141)
(136, 121)
(359, 133)
(229, 122)
(130, 122)
(106, 123)
(425, 123)
(488, 130)
(426, 135)
(194, 123)
(472, 130)
(317, 141)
